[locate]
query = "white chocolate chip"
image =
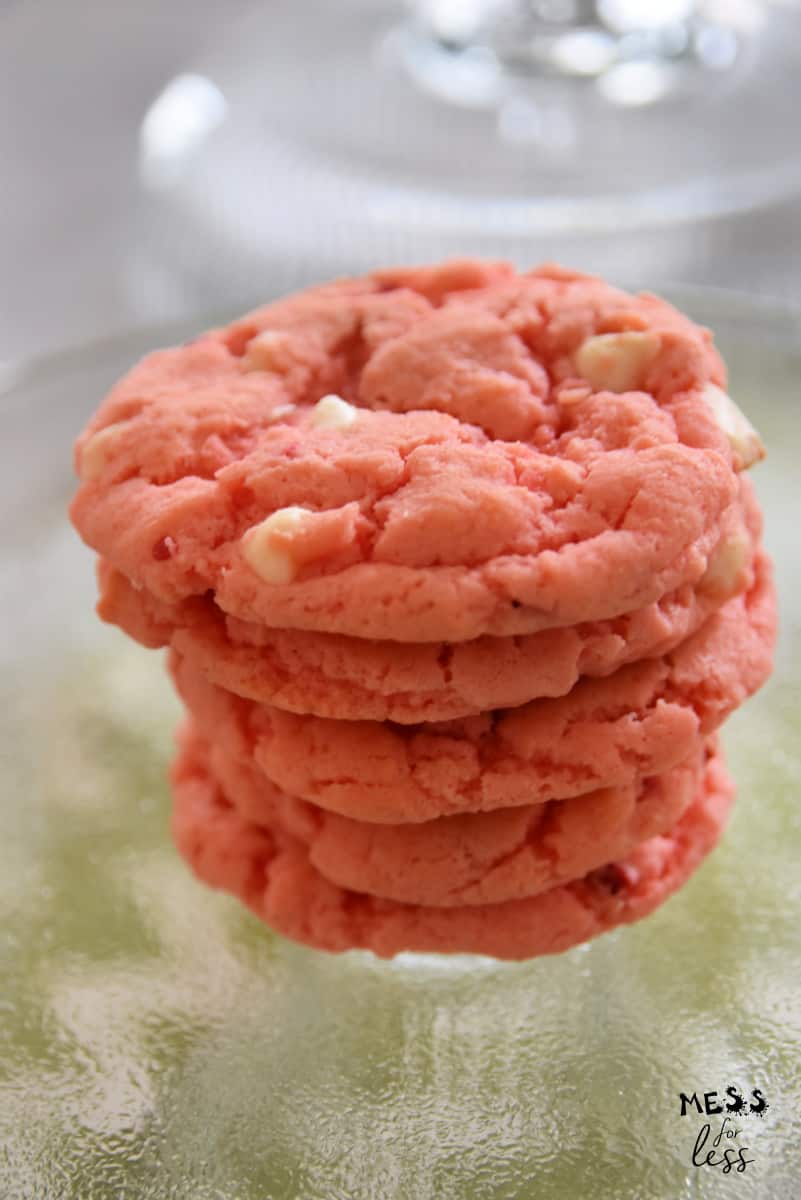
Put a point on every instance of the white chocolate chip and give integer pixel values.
(97, 452)
(281, 411)
(743, 438)
(332, 412)
(566, 396)
(267, 351)
(616, 362)
(725, 564)
(263, 549)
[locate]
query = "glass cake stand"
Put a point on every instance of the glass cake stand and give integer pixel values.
(156, 1041)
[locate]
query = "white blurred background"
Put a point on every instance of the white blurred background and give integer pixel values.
(161, 160)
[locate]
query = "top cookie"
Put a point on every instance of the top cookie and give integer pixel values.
(422, 455)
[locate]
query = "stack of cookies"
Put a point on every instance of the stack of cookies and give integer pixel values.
(460, 573)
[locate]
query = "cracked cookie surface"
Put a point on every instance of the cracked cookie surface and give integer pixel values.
(642, 720)
(473, 858)
(272, 873)
(335, 676)
(484, 486)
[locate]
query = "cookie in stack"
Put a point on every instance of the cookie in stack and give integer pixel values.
(460, 574)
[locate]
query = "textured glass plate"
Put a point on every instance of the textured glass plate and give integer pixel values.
(156, 1041)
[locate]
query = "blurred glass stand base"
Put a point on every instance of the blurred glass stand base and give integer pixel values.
(248, 150)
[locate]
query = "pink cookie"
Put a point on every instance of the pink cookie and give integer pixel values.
(504, 454)
(332, 675)
(474, 858)
(272, 873)
(645, 718)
